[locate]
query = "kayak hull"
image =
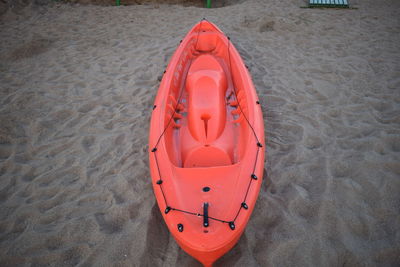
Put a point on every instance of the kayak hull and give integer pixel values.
(206, 144)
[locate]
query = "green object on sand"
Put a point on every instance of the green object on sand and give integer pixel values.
(208, 4)
(117, 2)
(329, 3)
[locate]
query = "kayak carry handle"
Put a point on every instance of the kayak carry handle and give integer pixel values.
(205, 215)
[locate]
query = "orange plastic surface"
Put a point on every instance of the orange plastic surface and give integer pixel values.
(203, 149)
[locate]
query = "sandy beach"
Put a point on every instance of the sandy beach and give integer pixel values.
(77, 84)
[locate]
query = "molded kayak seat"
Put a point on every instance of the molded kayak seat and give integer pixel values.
(207, 156)
(206, 85)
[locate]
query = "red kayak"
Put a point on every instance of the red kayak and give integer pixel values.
(206, 144)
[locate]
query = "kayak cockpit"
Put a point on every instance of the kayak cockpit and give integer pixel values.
(205, 132)
(206, 85)
(205, 102)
